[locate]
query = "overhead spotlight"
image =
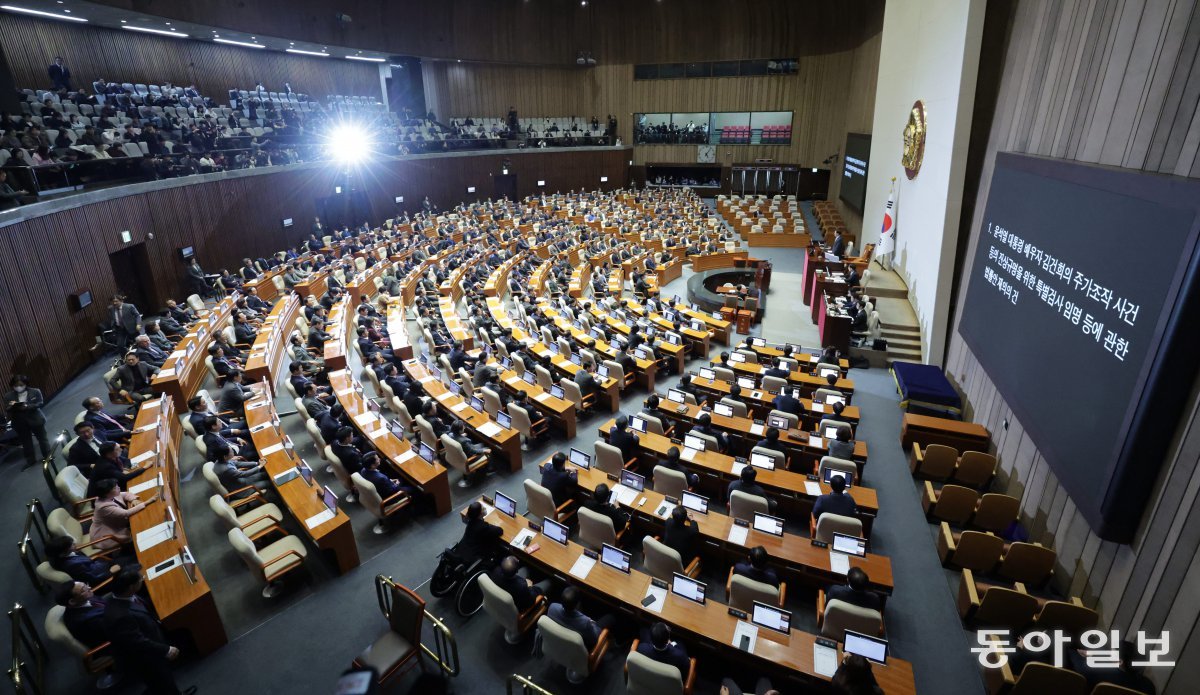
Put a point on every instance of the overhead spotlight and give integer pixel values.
(349, 144)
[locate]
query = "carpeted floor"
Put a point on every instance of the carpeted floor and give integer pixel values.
(301, 641)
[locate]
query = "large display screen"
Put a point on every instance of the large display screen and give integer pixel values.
(854, 170)
(1080, 302)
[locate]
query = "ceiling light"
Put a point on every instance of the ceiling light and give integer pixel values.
(247, 44)
(52, 15)
(160, 32)
(308, 53)
(373, 60)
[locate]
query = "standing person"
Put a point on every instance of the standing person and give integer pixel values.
(24, 408)
(139, 646)
(60, 74)
(126, 321)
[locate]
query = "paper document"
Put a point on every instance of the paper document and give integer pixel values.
(825, 661)
(756, 429)
(142, 487)
(344, 392)
(146, 428)
(152, 404)
(817, 442)
(624, 495)
(812, 489)
(737, 534)
(689, 454)
(286, 476)
(511, 380)
(405, 456)
(164, 373)
(738, 466)
(154, 535)
(582, 566)
(818, 407)
(747, 632)
(542, 397)
(490, 429)
(378, 433)
(839, 562)
(316, 520)
(278, 446)
(523, 537)
(459, 407)
(177, 354)
(426, 379)
(364, 418)
(145, 455)
(660, 598)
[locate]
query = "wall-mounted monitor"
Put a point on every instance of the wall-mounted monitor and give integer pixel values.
(854, 170)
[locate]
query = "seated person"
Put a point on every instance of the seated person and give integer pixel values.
(770, 441)
(704, 426)
(133, 379)
(747, 483)
(600, 504)
(220, 362)
(235, 474)
(198, 414)
(479, 539)
(313, 401)
(558, 480)
(110, 521)
(110, 428)
(757, 568)
(63, 556)
(566, 613)
(682, 534)
(243, 449)
(855, 591)
(620, 437)
(672, 461)
(84, 454)
(148, 352)
(854, 677)
(346, 450)
(470, 447)
(778, 370)
(385, 486)
(523, 591)
(656, 643)
(112, 465)
(234, 395)
(788, 403)
(84, 614)
(835, 502)
(843, 446)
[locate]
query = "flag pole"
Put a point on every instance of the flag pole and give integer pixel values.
(887, 238)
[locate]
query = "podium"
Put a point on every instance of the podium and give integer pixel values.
(745, 317)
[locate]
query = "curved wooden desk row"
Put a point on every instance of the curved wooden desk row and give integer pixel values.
(707, 627)
(341, 320)
(806, 382)
(794, 491)
(334, 536)
(179, 593)
(799, 354)
(675, 352)
(183, 371)
(644, 369)
(699, 340)
(761, 403)
(795, 555)
(265, 361)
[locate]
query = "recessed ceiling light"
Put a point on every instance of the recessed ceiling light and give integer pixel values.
(52, 15)
(373, 60)
(308, 53)
(247, 44)
(160, 32)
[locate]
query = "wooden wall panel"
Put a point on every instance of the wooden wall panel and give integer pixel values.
(44, 258)
(1119, 84)
(93, 52)
(548, 31)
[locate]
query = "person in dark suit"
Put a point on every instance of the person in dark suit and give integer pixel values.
(479, 539)
(459, 359)
(126, 321)
(566, 613)
(778, 370)
(672, 461)
(704, 426)
(757, 568)
(139, 646)
(148, 352)
(685, 385)
(213, 438)
(855, 591)
(842, 445)
(682, 534)
(243, 330)
(234, 395)
(84, 614)
(587, 382)
(345, 450)
(110, 466)
(787, 403)
(84, 454)
(413, 402)
(599, 503)
(838, 248)
(770, 440)
(23, 406)
(625, 360)
(620, 437)
(746, 483)
(133, 379)
(558, 480)
(60, 75)
(110, 427)
(657, 645)
(523, 592)
(835, 502)
(62, 556)
(385, 486)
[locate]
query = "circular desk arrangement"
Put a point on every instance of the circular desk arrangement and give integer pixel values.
(702, 287)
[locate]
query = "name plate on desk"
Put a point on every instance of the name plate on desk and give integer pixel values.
(165, 373)
(145, 455)
(316, 520)
(148, 485)
(256, 405)
(278, 446)
(363, 419)
(154, 535)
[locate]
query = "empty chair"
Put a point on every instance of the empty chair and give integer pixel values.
(741, 592)
(975, 469)
(499, 604)
(609, 460)
(670, 482)
(655, 424)
(72, 486)
(382, 509)
(566, 647)
(544, 379)
(974, 550)
(458, 459)
(835, 617)
(936, 462)
(1072, 617)
(596, 529)
(1036, 679)
(743, 505)
(953, 503)
(271, 562)
(830, 524)
(646, 676)
(399, 649)
(255, 523)
(992, 605)
(491, 402)
(616, 371)
(996, 512)
(724, 373)
(662, 560)
(540, 503)
(1029, 563)
(425, 431)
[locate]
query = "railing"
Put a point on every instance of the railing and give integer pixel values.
(31, 555)
(525, 685)
(445, 648)
(27, 679)
(50, 466)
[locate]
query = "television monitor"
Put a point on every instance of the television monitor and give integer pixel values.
(554, 530)
(850, 545)
(723, 409)
(426, 452)
(737, 357)
(830, 473)
(691, 441)
(638, 424)
(602, 371)
(706, 373)
(870, 648)
(579, 458)
(557, 391)
(529, 377)
(615, 558)
(768, 524)
(477, 404)
(779, 423)
(746, 382)
(633, 480)
(305, 472)
(685, 586)
(694, 502)
(676, 396)
(855, 164)
(762, 461)
(771, 618)
(506, 504)
(504, 420)
(330, 498)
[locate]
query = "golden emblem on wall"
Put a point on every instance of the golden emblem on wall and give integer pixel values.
(914, 140)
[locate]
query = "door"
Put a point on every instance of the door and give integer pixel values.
(506, 186)
(131, 270)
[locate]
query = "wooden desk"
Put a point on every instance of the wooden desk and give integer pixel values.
(675, 352)
(668, 272)
(363, 283)
(709, 625)
(926, 430)
(316, 284)
(183, 371)
(454, 323)
(182, 605)
(791, 240)
(834, 329)
(719, 326)
(721, 259)
(340, 320)
(561, 412)
(270, 347)
(397, 327)
(795, 492)
(807, 382)
(699, 340)
(335, 537)
(802, 357)
(644, 369)
(431, 479)
(761, 403)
